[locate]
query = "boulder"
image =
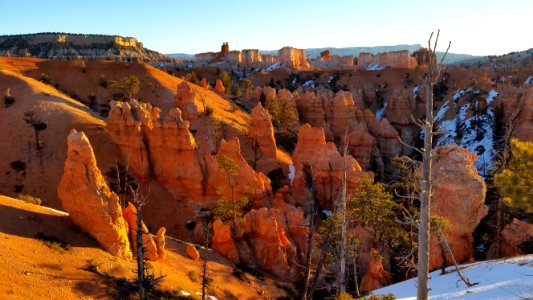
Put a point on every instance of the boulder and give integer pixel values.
(219, 87)
(186, 101)
(222, 241)
(512, 236)
(192, 253)
(459, 196)
(86, 197)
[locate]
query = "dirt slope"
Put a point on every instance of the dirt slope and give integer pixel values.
(32, 270)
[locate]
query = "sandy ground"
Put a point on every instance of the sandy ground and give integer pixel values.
(32, 270)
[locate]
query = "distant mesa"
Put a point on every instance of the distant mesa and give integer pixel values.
(77, 46)
(294, 58)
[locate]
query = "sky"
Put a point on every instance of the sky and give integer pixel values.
(476, 27)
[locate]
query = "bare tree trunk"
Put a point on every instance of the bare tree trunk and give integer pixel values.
(342, 250)
(355, 279)
(461, 275)
(140, 253)
(307, 273)
(204, 267)
(432, 76)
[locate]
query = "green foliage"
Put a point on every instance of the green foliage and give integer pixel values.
(29, 199)
(372, 207)
(438, 224)
(129, 85)
(192, 77)
(246, 84)
(226, 210)
(194, 276)
(225, 77)
(54, 242)
(346, 296)
(515, 183)
(229, 165)
(283, 113)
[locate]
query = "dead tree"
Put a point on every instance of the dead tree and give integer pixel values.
(35, 122)
(342, 211)
(431, 78)
(139, 201)
(310, 182)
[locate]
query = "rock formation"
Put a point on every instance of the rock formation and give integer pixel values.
(512, 236)
(376, 276)
(222, 241)
(395, 59)
(293, 58)
(386, 136)
(219, 87)
(458, 195)
(326, 163)
(262, 132)
(192, 252)
(77, 46)
(86, 197)
(186, 101)
(400, 108)
(151, 248)
(523, 128)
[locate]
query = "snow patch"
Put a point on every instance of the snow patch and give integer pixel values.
(271, 67)
(310, 83)
(510, 279)
(529, 81)
(442, 111)
(381, 112)
(374, 67)
(292, 172)
(493, 94)
(415, 91)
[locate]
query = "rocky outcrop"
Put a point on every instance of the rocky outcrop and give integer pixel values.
(125, 129)
(262, 132)
(326, 163)
(293, 58)
(151, 140)
(254, 186)
(376, 276)
(186, 101)
(219, 87)
(385, 135)
(77, 46)
(151, 248)
(251, 57)
(395, 59)
(458, 195)
(222, 241)
(192, 253)
(512, 236)
(86, 197)
(400, 107)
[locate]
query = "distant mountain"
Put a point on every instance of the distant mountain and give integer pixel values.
(315, 52)
(58, 45)
(182, 56)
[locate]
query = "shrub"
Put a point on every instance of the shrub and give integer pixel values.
(103, 81)
(54, 242)
(241, 275)
(194, 276)
(29, 199)
(44, 78)
(208, 111)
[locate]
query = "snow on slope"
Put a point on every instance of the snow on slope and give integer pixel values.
(510, 279)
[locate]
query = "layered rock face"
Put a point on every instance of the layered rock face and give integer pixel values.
(251, 57)
(396, 59)
(512, 236)
(293, 58)
(386, 136)
(86, 197)
(77, 46)
(326, 164)
(400, 107)
(458, 195)
(147, 140)
(262, 131)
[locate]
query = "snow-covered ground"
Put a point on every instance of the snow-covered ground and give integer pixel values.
(374, 67)
(380, 113)
(271, 67)
(529, 81)
(310, 83)
(474, 133)
(509, 279)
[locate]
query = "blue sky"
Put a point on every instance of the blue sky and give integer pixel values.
(169, 26)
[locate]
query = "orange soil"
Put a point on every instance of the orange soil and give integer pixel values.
(31, 270)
